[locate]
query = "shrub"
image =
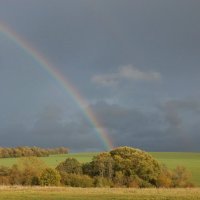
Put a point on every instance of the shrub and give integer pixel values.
(76, 180)
(164, 178)
(181, 177)
(15, 175)
(132, 181)
(50, 177)
(4, 175)
(119, 179)
(102, 182)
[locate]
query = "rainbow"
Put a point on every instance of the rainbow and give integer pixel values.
(62, 80)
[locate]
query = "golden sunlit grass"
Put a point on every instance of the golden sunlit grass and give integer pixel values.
(61, 193)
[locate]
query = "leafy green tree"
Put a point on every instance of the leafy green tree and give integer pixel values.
(102, 165)
(50, 177)
(70, 165)
(135, 162)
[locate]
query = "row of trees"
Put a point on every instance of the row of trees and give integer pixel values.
(121, 167)
(24, 151)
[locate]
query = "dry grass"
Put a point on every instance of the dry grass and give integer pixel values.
(22, 193)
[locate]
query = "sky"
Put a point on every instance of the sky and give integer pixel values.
(136, 63)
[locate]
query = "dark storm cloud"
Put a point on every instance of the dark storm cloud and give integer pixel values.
(176, 109)
(51, 130)
(147, 50)
(109, 34)
(156, 130)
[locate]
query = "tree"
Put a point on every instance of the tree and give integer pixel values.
(135, 162)
(24, 151)
(125, 166)
(30, 169)
(102, 165)
(50, 177)
(70, 165)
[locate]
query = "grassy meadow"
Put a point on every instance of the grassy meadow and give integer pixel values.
(190, 160)
(61, 193)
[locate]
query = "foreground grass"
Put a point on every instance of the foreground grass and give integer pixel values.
(61, 193)
(171, 159)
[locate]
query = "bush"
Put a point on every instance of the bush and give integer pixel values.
(50, 177)
(181, 177)
(133, 181)
(4, 175)
(76, 180)
(164, 178)
(102, 182)
(15, 175)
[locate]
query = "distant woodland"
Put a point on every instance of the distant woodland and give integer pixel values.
(24, 151)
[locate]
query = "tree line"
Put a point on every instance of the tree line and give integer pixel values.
(121, 167)
(24, 151)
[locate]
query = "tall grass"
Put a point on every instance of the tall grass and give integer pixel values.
(61, 193)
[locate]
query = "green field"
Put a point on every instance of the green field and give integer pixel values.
(190, 160)
(61, 193)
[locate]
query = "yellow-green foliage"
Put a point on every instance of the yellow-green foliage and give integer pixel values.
(24, 151)
(70, 165)
(50, 177)
(125, 166)
(27, 171)
(76, 180)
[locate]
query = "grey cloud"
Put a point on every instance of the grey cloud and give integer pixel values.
(183, 104)
(53, 127)
(156, 130)
(127, 72)
(176, 110)
(152, 131)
